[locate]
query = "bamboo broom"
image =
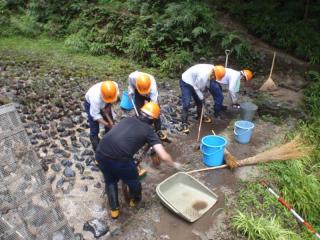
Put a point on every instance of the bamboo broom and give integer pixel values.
(288, 151)
(269, 84)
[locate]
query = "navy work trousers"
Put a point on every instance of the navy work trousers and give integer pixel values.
(93, 124)
(127, 171)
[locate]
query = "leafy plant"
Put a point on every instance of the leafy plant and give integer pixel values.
(76, 43)
(25, 25)
(261, 228)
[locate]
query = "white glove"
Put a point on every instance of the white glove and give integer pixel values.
(177, 166)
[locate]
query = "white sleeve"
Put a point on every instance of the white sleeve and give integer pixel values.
(131, 85)
(95, 111)
(154, 91)
(232, 92)
(198, 87)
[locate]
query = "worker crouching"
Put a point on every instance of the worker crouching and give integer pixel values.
(116, 149)
(97, 104)
(142, 88)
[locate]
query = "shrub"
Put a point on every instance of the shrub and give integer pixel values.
(25, 25)
(76, 43)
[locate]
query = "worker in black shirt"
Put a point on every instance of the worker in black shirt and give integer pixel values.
(115, 154)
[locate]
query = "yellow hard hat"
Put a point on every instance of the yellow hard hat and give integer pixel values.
(109, 91)
(152, 109)
(143, 84)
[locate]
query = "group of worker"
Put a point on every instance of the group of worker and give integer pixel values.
(114, 153)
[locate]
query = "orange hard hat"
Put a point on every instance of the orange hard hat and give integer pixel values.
(109, 91)
(247, 73)
(152, 109)
(219, 72)
(143, 84)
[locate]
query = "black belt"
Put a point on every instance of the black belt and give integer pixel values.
(107, 157)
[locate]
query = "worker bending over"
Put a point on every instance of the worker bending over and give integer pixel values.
(193, 83)
(97, 104)
(233, 78)
(142, 87)
(116, 149)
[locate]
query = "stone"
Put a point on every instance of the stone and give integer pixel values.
(97, 226)
(97, 185)
(75, 144)
(56, 167)
(84, 142)
(87, 152)
(68, 172)
(64, 142)
(66, 123)
(51, 178)
(87, 178)
(80, 167)
(60, 183)
(78, 236)
(76, 157)
(95, 168)
(66, 163)
(75, 119)
(60, 129)
(84, 188)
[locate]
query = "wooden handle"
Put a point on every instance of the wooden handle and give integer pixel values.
(271, 70)
(208, 169)
(134, 106)
(199, 130)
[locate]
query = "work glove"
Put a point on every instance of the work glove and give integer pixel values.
(236, 105)
(177, 166)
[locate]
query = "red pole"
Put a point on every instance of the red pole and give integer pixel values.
(290, 209)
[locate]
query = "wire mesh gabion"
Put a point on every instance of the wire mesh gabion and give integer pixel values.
(28, 207)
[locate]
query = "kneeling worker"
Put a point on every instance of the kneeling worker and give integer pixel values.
(115, 154)
(97, 104)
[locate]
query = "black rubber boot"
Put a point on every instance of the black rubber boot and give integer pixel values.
(184, 117)
(135, 194)
(199, 109)
(94, 141)
(112, 191)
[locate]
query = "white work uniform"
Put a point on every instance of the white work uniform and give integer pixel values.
(93, 97)
(198, 77)
(132, 85)
(233, 79)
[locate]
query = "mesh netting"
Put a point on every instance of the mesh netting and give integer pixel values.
(28, 207)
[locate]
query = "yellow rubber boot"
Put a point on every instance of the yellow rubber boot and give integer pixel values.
(132, 203)
(115, 213)
(206, 119)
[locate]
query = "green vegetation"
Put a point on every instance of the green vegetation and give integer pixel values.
(262, 228)
(53, 54)
(289, 25)
(168, 35)
(298, 182)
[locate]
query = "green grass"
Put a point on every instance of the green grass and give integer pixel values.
(262, 228)
(55, 54)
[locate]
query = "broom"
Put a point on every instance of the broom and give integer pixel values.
(269, 85)
(288, 151)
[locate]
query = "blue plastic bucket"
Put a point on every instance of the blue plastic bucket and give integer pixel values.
(125, 101)
(243, 131)
(212, 148)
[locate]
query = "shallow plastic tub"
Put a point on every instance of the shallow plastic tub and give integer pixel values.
(186, 196)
